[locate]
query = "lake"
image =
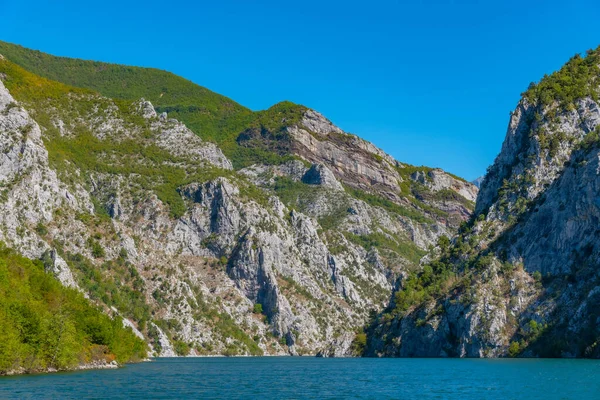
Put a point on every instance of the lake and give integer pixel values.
(318, 378)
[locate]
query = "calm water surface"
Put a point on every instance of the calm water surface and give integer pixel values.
(315, 378)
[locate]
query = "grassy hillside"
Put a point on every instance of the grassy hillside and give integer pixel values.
(213, 117)
(162, 88)
(146, 165)
(44, 324)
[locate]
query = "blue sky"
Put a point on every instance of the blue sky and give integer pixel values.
(432, 83)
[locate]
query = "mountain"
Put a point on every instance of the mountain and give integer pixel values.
(477, 182)
(209, 228)
(523, 277)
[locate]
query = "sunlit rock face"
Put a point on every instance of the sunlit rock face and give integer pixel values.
(152, 223)
(527, 270)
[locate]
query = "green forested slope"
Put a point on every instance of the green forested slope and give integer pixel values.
(44, 324)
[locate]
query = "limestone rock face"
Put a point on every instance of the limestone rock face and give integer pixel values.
(528, 266)
(247, 265)
(153, 224)
(266, 175)
(178, 139)
(436, 180)
(457, 326)
(556, 179)
(477, 182)
(166, 348)
(32, 191)
(146, 109)
(351, 160)
(526, 154)
(317, 123)
(60, 269)
(335, 155)
(361, 165)
(321, 175)
(563, 225)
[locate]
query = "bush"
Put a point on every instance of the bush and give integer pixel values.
(258, 308)
(181, 347)
(514, 349)
(41, 229)
(575, 80)
(359, 344)
(97, 249)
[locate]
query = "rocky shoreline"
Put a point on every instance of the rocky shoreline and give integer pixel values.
(82, 367)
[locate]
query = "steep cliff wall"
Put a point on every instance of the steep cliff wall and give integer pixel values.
(523, 277)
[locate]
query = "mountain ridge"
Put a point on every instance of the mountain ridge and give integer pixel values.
(52, 67)
(286, 235)
(286, 255)
(275, 123)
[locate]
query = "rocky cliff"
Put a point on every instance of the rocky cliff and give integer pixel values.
(279, 236)
(522, 279)
(362, 166)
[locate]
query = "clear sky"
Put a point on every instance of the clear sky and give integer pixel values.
(431, 82)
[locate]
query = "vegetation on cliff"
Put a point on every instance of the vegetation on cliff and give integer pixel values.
(46, 325)
(486, 293)
(212, 116)
(577, 79)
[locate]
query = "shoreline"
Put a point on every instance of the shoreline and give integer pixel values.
(97, 365)
(94, 365)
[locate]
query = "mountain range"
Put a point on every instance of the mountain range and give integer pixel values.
(206, 228)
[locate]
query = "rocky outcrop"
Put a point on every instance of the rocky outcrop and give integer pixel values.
(538, 143)
(59, 268)
(437, 180)
(561, 227)
(361, 165)
(164, 344)
(31, 190)
(477, 182)
(338, 158)
(528, 279)
(474, 321)
(321, 175)
(176, 138)
(349, 157)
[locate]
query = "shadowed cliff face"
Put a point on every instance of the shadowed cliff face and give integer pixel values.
(153, 223)
(522, 279)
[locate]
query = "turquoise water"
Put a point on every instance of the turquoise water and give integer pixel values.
(317, 378)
